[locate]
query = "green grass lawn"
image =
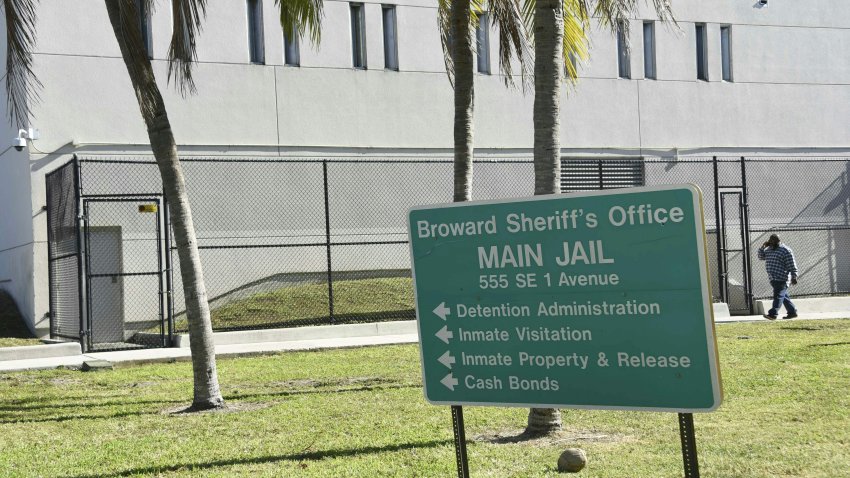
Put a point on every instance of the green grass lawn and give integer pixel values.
(361, 413)
(13, 332)
(354, 300)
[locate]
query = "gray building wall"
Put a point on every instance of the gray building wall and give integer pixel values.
(790, 95)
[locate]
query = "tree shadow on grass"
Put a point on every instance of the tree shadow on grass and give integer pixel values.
(260, 460)
(10, 418)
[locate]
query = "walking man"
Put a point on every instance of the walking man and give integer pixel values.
(779, 260)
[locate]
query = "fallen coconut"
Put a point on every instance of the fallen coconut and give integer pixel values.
(572, 460)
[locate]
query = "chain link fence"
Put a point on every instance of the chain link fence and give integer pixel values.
(291, 242)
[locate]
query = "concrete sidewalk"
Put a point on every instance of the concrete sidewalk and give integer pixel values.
(354, 335)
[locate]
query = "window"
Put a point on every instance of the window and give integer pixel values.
(482, 35)
(255, 31)
(145, 26)
(291, 53)
(726, 52)
(580, 174)
(624, 59)
(702, 54)
(390, 38)
(649, 51)
(358, 36)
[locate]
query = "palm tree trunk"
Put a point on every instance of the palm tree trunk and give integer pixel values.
(548, 66)
(464, 78)
(206, 389)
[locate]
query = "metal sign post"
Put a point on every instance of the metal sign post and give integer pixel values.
(460, 442)
(689, 445)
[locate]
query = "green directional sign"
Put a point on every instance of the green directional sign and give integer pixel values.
(593, 300)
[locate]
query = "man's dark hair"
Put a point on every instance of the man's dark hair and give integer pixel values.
(774, 239)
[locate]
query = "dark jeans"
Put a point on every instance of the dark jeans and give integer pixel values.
(780, 297)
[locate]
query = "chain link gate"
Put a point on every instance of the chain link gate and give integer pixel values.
(126, 278)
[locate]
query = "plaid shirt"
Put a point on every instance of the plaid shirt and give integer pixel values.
(779, 262)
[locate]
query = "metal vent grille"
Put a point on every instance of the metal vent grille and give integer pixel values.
(593, 174)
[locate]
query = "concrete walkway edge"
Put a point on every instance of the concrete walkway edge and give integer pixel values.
(351, 335)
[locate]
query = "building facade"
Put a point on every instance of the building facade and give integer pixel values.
(731, 78)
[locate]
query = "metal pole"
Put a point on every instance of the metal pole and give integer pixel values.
(81, 283)
(689, 445)
(51, 293)
(745, 226)
(460, 442)
(721, 277)
(169, 271)
(328, 240)
(160, 274)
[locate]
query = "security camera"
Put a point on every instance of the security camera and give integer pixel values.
(20, 142)
(762, 2)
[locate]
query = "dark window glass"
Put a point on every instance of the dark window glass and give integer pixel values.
(390, 37)
(726, 52)
(145, 26)
(702, 54)
(358, 36)
(483, 41)
(649, 51)
(291, 53)
(255, 31)
(624, 59)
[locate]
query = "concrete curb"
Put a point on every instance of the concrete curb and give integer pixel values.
(31, 352)
(306, 333)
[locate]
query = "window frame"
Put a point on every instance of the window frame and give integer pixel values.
(624, 57)
(701, 34)
(256, 35)
(482, 44)
(650, 67)
(388, 12)
(357, 12)
(726, 66)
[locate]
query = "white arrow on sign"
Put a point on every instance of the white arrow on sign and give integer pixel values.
(445, 334)
(450, 382)
(447, 360)
(442, 311)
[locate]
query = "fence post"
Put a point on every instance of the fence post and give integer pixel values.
(721, 277)
(328, 240)
(169, 270)
(78, 193)
(745, 219)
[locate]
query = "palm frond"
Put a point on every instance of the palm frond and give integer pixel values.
(187, 19)
(613, 12)
(22, 86)
(513, 39)
(138, 63)
(302, 18)
(576, 25)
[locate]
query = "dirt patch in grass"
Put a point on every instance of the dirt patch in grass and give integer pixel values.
(504, 437)
(64, 382)
(344, 382)
(234, 407)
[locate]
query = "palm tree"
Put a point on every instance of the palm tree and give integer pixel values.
(458, 19)
(552, 18)
(188, 15)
